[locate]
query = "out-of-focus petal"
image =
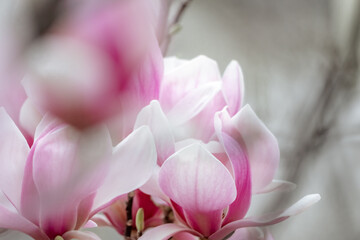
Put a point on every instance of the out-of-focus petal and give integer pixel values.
(233, 87)
(68, 165)
(261, 146)
(13, 153)
(30, 117)
(133, 162)
(247, 234)
(278, 185)
(199, 183)
(171, 63)
(267, 219)
(47, 124)
(166, 231)
(90, 224)
(101, 220)
(79, 235)
(154, 117)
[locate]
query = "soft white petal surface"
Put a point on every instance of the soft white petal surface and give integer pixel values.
(133, 163)
(13, 153)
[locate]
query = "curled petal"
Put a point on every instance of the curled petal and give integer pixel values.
(268, 219)
(233, 87)
(260, 144)
(239, 163)
(79, 235)
(166, 231)
(154, 117)
(251, 234)
(278, 185)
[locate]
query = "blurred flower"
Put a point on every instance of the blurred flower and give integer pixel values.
(97, 62)
(53, 188)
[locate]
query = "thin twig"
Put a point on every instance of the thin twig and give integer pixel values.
(129, 222)
(170, 33)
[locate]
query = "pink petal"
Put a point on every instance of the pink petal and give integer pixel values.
(233, 87)
(182, 77)
(152, 186)
(13, 153)
(47, 124)
(240, 165)
(90, 224)
(68, 165)
(268, 219)
(101, 220)
(184, 236)
(261, 146)
(12, 220)
(154, 117)
(30, 117)
(251, 234)
(133, 162)
(166, 231)
(200, 184)
(278, 185)
(192, 104)
(241, 168)
(171, 63)
(79, 235)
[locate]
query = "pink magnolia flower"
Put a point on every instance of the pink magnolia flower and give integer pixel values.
(192, 91)
(210, 192)
(100, 61)
(53, 188)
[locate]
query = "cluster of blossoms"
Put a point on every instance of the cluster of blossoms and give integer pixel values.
(111, 134)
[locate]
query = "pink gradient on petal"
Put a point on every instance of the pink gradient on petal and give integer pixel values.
(261, 146)
(186, 176)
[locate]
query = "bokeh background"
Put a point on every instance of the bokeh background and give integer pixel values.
(300, 62)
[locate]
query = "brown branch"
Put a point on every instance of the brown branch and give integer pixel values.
(129, 222)
(170, 33)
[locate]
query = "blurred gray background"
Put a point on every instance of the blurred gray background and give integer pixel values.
(300, 62)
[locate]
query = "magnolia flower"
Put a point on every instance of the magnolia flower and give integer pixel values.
(52, 189)
(193, 91)
(95, 64)
(210, 190)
